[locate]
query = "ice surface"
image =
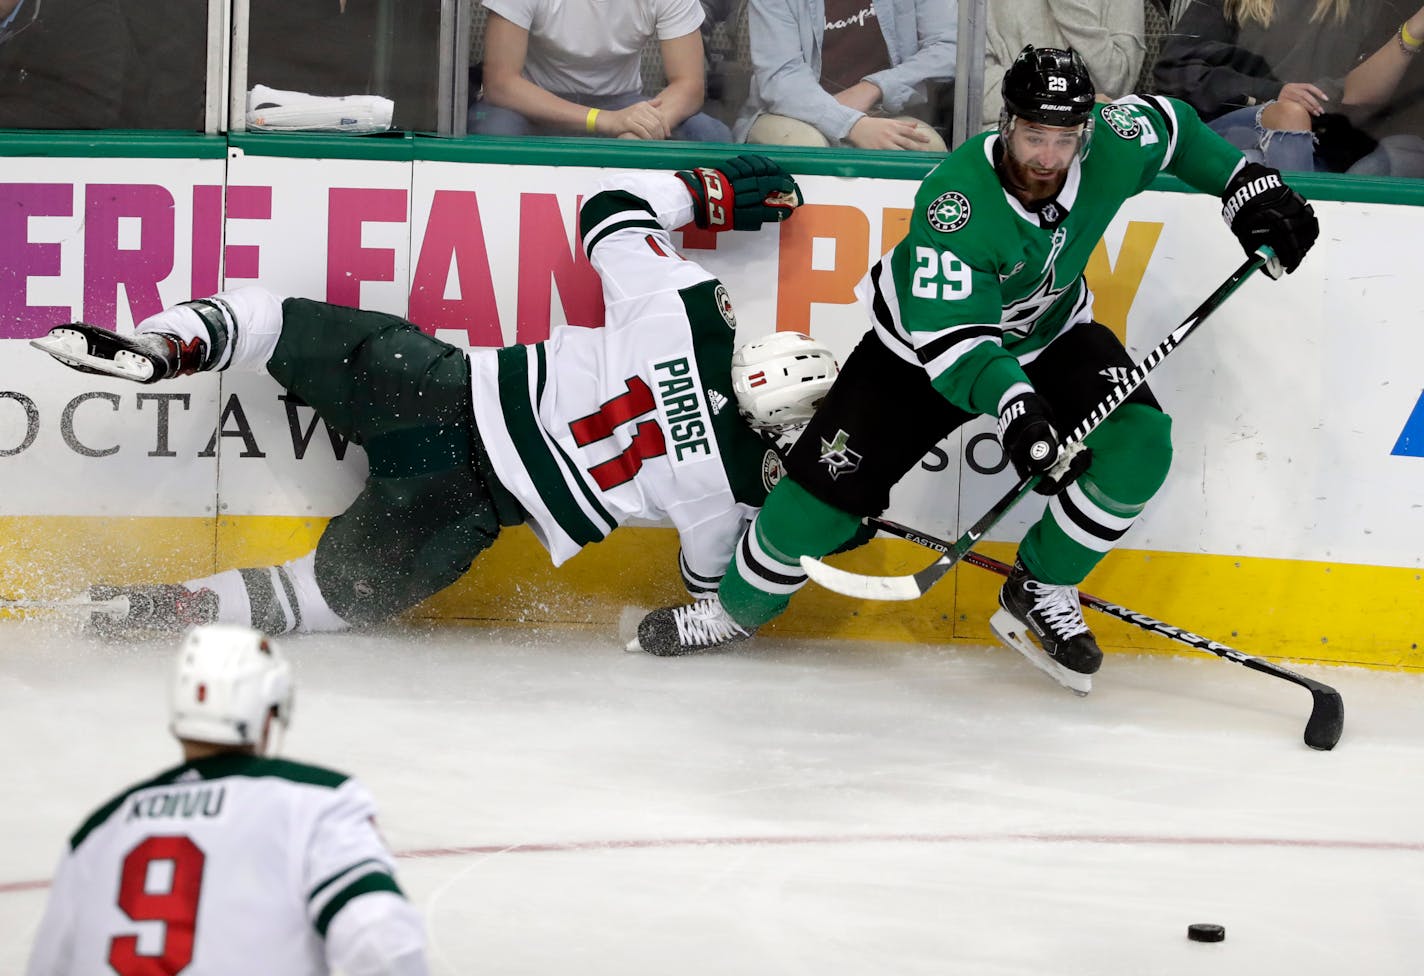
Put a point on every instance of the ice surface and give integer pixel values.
(796, 808)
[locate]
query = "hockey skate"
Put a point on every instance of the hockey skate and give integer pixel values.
(700, 626)
(154, 610)
(1045, 624)
(145, 357)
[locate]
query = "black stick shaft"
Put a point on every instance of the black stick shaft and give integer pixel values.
(1327, 716)
(1136, 376)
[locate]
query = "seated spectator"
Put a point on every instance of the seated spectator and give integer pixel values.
(166, 84)
(1107, 34)
(1265, 73)
(62, 64)
(844, 72)
(1384, 93)
(573, 68)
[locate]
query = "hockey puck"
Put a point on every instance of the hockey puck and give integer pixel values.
(1206, 932)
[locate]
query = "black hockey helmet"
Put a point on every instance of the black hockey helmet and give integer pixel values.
(1049, 86)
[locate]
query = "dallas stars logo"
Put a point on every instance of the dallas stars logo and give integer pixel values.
(948, 212)
(1120, 119)
(837, 456)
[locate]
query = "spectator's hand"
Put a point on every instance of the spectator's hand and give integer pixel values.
(1304, 94)
(1260, 209)
(873, 133)
(756, 189)
(642, 120)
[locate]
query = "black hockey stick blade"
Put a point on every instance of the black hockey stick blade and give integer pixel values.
(916, 585)
(1327, 712)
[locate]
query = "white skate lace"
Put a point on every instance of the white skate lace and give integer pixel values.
(1059, 608)
(705, 623)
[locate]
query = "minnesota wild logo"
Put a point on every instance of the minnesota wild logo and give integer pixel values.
(948, 212)
(837, 456)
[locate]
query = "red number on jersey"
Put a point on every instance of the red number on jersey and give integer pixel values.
(647, 440)
(176, 908)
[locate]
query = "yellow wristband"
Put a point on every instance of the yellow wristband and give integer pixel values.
(590, 123)
(1409, 39)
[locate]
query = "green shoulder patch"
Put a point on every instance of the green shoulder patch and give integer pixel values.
(948, 212)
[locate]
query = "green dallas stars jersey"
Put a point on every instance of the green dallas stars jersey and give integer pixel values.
(979, 282)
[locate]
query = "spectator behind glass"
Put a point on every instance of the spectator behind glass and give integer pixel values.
(1385, 93)
(166, 84)
(843, 72)
(573, 67)
(1107, 34)
(350, 47)
(62, 64)
(1262, 72)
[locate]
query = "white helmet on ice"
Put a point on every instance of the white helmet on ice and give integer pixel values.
(227, 680)
(781, 379)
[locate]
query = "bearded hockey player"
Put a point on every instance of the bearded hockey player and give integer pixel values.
(575, 435)
(983, 309)
(233, 861)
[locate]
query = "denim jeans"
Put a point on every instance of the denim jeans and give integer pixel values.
(491, 120)
(1290, 151)
(1396, 155)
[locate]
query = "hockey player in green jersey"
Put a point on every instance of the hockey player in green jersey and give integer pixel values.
(983, 309)
(647, 417)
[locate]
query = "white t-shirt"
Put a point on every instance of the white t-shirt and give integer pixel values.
(231, 864)
(593, 47)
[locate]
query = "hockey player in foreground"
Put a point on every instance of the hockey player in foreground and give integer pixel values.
(983, 309)
(232, 861)
(650, 416)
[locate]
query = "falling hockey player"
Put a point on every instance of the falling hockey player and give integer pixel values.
(983, 309)
(649, 417)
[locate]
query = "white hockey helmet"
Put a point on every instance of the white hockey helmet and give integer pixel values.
(227, 680)
(779, 380)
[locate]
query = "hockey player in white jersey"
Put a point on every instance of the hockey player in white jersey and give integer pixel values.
(232, 862)
(575, 435)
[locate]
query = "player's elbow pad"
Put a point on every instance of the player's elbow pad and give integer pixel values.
(377, 934)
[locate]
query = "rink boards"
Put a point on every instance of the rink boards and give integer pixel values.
(1291, 524)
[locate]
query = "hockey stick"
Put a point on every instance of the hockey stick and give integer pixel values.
(1327, 714)
(116, 607)
(916, 585)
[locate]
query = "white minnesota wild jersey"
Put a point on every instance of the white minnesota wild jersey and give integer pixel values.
(637, 419)
(226, 865)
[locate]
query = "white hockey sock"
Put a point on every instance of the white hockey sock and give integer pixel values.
(251, 314)
(275, 599)
(233, 605)
(286, 598)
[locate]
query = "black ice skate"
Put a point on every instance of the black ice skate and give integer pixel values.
(144, 357)
(674, 631)
(1044, 623)
(156, 610)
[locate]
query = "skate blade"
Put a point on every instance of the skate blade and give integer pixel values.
(628, 621)
(1011, 631)
(72, 349)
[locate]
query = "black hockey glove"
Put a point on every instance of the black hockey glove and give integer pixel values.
(741, 194)
(1260, 209)
(1028, 438)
